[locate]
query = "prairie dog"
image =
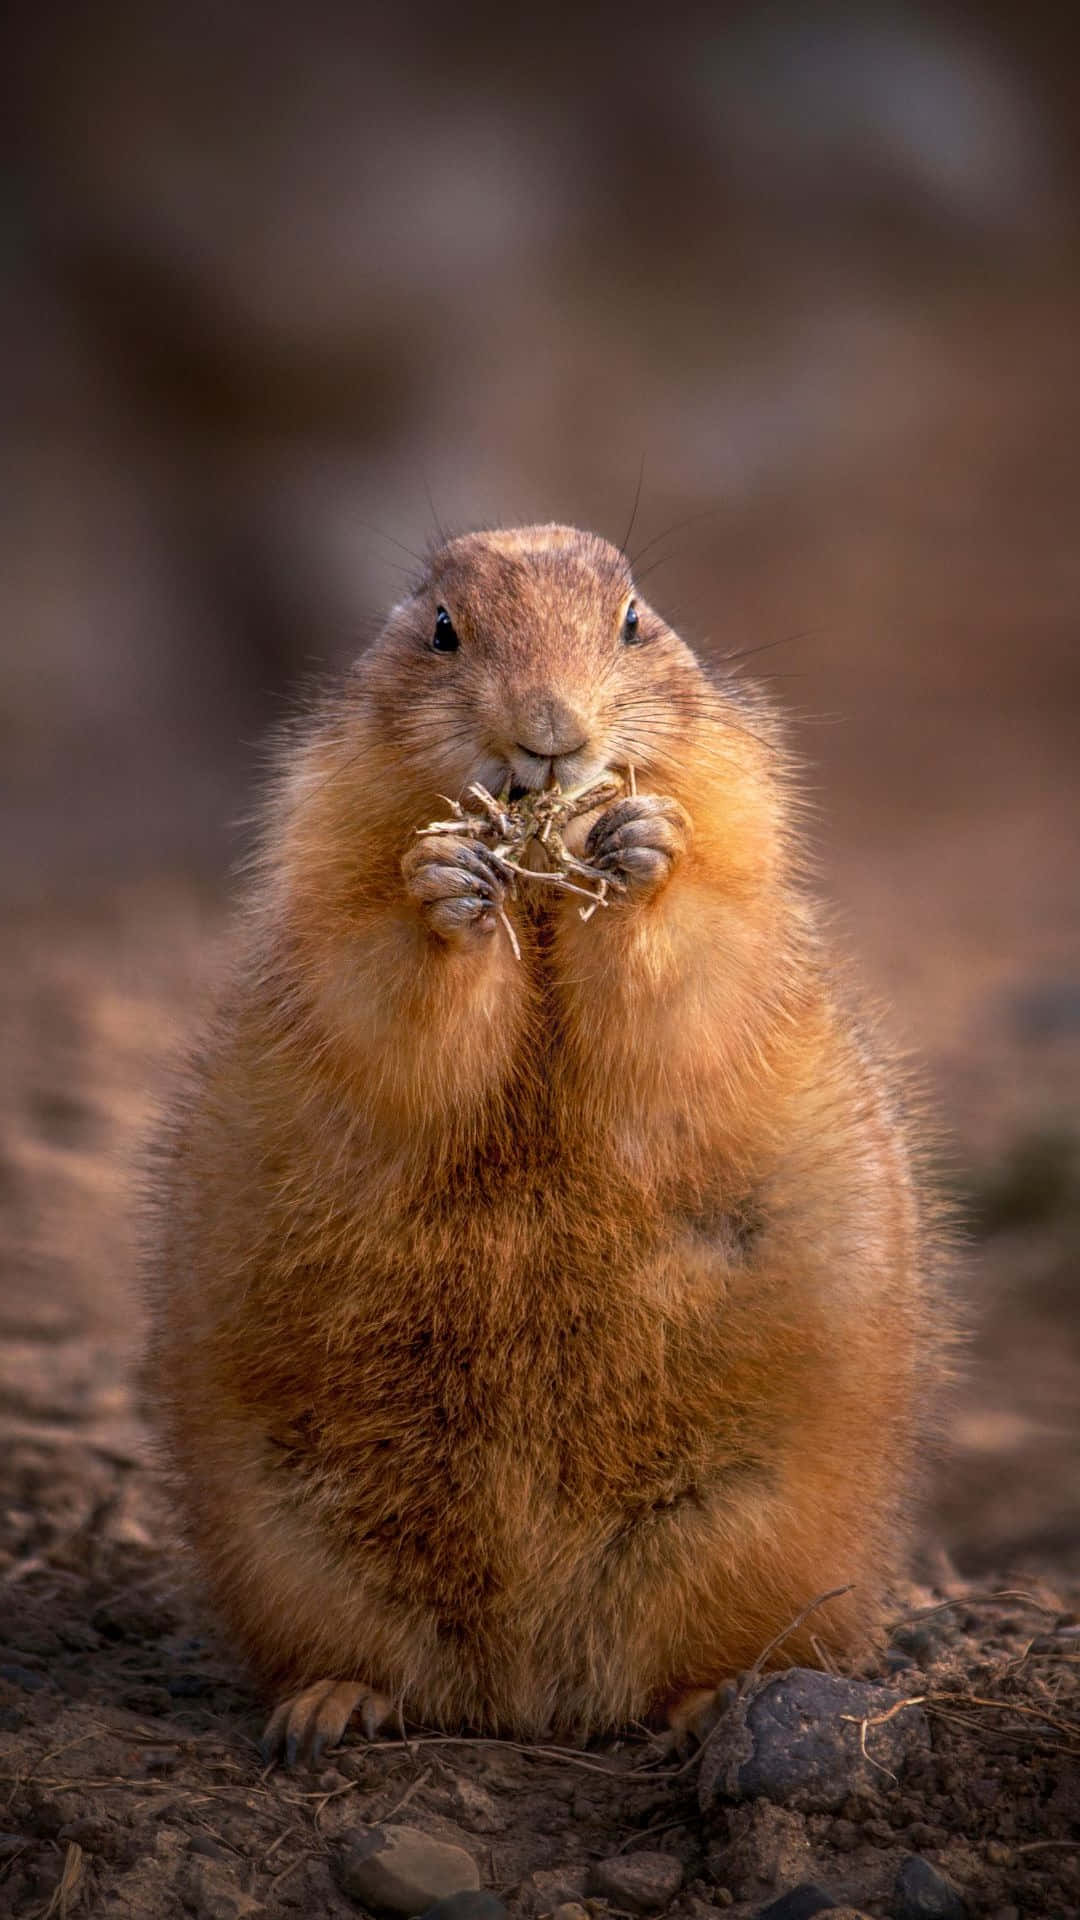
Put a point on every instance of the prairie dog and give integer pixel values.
(536, 1334)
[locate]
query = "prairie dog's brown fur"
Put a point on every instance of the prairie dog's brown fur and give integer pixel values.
(534, 1339)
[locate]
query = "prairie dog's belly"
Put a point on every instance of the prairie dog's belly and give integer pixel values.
(497, 1475)
(558, 1422)
(500, 1550)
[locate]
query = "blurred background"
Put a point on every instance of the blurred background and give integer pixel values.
(284, 289)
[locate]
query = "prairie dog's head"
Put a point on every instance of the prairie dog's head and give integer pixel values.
(528, 657)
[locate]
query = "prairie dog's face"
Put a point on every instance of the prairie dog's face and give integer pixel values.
(527, 658)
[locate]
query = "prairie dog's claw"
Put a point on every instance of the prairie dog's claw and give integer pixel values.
(456, 885)
(638, 841)
(303, 1726)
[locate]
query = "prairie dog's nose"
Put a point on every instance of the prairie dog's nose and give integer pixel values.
(548, 727)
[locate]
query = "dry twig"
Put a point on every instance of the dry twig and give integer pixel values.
(532, 829)
(69, 1885)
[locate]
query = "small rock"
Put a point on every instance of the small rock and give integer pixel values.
(547, 1889)
(209, 1894)
(24, 1678)
(767, 1847)
(468, 1906)
(78, 1636)
(879, 1833)
(133, 1617)
(637, 1882)
(146, 1699)
(331, 1781)
(104, 1838)
(401, 1870)
(844, 1836)
(920, 1892)
(571, 1910)
(799, 1903)
(205, 1845)
(922, 1834)
(796, 1740)
(188, 1686)
(475, 1807)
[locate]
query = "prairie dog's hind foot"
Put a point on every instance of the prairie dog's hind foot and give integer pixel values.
(691, 1716)
(301, 1727)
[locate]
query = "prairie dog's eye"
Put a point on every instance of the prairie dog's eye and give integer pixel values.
(444, 639)
(631, 627)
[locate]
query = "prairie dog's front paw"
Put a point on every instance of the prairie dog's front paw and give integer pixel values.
(456, 886)
(638, 842)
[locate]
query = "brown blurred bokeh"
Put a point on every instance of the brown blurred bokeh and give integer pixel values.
(284, 288)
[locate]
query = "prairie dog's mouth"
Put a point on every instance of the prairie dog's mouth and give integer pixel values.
(562, 773)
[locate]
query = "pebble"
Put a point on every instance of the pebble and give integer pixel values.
(401, 1870)
(920, 1892)
(844, 1835)
(799, 1903)
(475, 1807)
(24, 1678)
(208, 1848)
(188, 1686)
(768, 1849)
(331, 1781)
(208, 1893)
(547, 1890)
(468, 1906)
(795, 1740)
(637, 1882)
(105, 1838)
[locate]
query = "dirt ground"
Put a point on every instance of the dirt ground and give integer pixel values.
(130, 1780)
